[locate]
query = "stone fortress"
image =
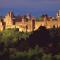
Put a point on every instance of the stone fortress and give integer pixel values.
(27, 22)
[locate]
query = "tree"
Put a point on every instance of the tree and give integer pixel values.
(39, 37)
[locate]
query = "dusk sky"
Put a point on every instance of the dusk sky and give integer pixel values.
(35, 7)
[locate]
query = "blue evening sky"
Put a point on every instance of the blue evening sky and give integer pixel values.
(35, 7)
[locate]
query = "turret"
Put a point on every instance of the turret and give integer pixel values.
(58, 15)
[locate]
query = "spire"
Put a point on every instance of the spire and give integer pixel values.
(10, 13)
(58, 15)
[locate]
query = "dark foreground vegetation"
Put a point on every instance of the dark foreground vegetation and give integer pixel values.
(42, 44)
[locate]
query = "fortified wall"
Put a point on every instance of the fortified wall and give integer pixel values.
(28, 23)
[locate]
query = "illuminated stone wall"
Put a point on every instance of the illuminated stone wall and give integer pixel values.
(30, 25)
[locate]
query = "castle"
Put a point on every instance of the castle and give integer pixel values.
(27, 22)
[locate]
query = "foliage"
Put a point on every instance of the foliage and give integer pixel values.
(42, 44)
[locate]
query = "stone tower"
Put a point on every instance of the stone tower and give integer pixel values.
(58, 18)
(9, 20)
(1, 25)
(33, 23)
(58, 15)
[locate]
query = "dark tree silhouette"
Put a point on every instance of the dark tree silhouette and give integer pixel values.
(40, 37)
